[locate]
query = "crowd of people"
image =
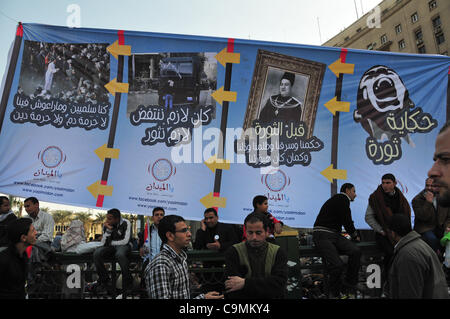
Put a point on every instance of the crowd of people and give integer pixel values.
(415, 257)
(73, 73)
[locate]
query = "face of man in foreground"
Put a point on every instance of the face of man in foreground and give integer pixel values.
(256, 234)
(440, 171)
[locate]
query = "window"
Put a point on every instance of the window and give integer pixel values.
(440, 38)
(383, 39)
(418, 34)
(414, 17)
(421, 49)
(436, 22)
(370, 46)
(432, 4)
(401, 44)
(419, 37)
(398, 28)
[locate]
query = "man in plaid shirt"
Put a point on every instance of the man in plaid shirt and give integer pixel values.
(167, 274)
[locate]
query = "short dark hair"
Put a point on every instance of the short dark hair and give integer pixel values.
(114, 212)
(388, 176)
(17, 228)
(2, 199)
(210, 210)
(257, 217)
(445, 127)
(167, 224)
(401, 224)
(34, 200)
(258, 200)
(346, 186)
(158, 209)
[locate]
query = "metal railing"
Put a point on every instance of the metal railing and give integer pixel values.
(67, 274)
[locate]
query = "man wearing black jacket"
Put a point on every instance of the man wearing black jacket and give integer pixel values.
(116, 242)
(213, 234)
(327, 237)
(14, 260)
(6, 217)
(216, 236)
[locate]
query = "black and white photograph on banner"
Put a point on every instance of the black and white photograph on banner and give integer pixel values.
(63, 85)
(171, 79)
(284, 88)
(283, 97)
(65, 71)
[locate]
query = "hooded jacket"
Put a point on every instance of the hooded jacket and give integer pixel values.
(416, 272)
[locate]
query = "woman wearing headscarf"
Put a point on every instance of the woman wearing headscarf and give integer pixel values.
(73, 237)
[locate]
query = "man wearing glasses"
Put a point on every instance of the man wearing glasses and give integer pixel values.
(167, 274)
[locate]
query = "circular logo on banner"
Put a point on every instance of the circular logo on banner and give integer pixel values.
(403, 188)
(161, 170)
(276, 181)
(52, 156)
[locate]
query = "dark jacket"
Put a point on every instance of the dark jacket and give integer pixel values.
(13, 273)
(227, 236)
(6, 220)
(335, 213)
(119, 235)
(416, 271)
(426, 217)
(281, 108)
(259, 285)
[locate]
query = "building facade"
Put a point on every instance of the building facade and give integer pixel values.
(407, 26)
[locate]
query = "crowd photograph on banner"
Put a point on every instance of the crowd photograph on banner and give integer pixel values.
(69, 72)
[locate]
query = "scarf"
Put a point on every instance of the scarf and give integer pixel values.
(385, 206)
(73, 236)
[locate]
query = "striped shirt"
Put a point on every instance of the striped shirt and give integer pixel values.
(167, 275)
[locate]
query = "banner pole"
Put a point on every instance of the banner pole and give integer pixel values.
(11, 71)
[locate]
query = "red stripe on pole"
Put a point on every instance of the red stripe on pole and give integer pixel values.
(101, 198)
(216, 195)
(343, 55)
(230, 46)
(19, 31)
(120, 33)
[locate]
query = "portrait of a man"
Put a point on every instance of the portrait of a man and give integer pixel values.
(284, 88)
(288, 103)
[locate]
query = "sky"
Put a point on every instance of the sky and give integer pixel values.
(291, 21)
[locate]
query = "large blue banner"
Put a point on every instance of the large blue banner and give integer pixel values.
(134, 120)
